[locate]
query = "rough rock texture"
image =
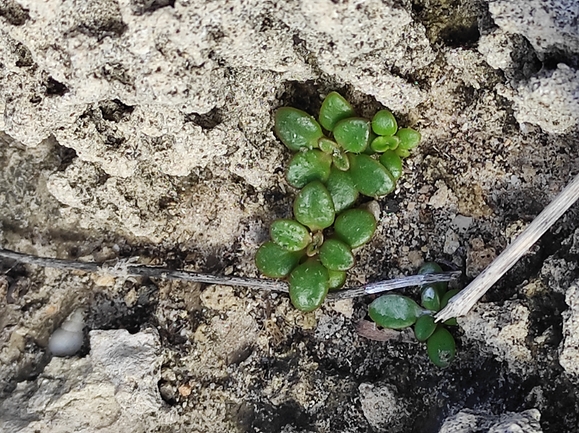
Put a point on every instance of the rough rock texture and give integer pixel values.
(504, 331)
(468, 421)
(550, 26)
(113, 389)
(141, 131)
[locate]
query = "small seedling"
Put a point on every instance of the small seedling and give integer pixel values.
(399, 312)
(337, 158)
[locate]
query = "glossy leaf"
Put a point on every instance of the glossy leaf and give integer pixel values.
(384, 143)
(308, 166)
(309, 284)
(353, 134)
(424, 327)
(370, 177)
(342, 189)
(441, 347)
(384, 123)
(341, 161)
(296, 128)
(336, 255)
(328, 146)
(355, 227)
(394, 311)
(334, 108)
(429, 298)
(289, 234)
(393, 163)
(275, 261)
(313, 206)
(337, 279)
(434, 268)
(402, 153)
(409, 138)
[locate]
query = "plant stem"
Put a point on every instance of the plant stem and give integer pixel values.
(124, 269)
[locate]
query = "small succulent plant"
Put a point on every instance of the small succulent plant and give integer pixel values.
(398, 312)
(337, 158)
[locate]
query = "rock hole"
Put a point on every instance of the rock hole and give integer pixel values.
(54, 88)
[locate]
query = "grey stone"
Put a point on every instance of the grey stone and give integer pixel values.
(469, 421)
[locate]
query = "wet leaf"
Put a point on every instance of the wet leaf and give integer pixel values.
(308, 166)
(313, 206)
(370, 177)
(393, 163)
(336, 255)
(275, 261)
(424, 327)
(355, 227)
(353, 134)
(384, 123)
(394, 311)
(296, 128)
(309, 284)
(441, 347)
(290, 234)
(342, 189)
(334, 108)
(409, 138)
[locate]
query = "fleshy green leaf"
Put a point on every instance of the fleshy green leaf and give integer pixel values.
(289, 234)
(424, 327)
(309, 284)
(337, 279)
(384, 143)
(296, 128)
(328, 146)
(409, 138)
(384, 123)
(434, 268)
(342, 189)
(441, 348)
(336, 255)
(393, 163)
(355, 227)
(308, 166)
(394, 311)
(313, 206)
(275, 261)
(353, 134)
(429, 298)
(370, 177)
(334, 108)
(341, 161)
(402, 153)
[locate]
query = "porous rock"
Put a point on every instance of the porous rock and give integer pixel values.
(469, 421)
(569, 357)
(556, 89)
(113, 389)
(502, 331)
(381, 406)
(550, 26)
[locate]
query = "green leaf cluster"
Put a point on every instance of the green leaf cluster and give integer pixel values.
(398, 312)
(338, 157)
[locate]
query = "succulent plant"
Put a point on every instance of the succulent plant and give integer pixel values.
(337, 159)
(399, 312)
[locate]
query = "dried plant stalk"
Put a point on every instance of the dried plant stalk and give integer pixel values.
(125, 268)
(462, 303)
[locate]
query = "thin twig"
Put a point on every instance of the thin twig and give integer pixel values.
(125, 269)
(461, 304)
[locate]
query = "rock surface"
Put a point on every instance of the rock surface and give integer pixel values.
(141, 131)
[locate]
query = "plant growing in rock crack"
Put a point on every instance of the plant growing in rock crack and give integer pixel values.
(398, 312)
(337, 159)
